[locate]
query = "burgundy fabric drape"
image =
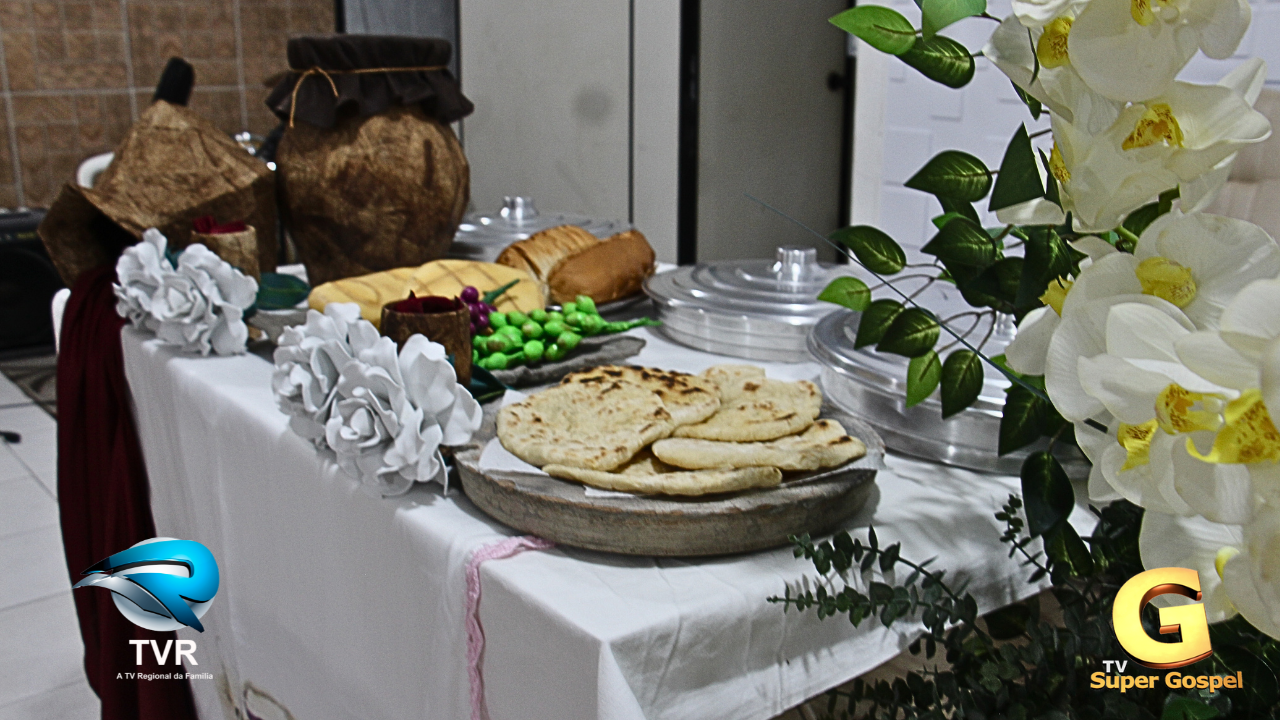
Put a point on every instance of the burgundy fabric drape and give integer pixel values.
(104, 500)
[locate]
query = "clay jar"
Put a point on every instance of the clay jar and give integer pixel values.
(443, 320)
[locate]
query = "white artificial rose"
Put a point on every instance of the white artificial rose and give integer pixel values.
(308, 360)
(392, 412)
(1131, 50)
(200, 306)
(139, 273)
(365, 418)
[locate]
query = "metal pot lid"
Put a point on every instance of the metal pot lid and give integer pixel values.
(783, 290)
(483, 236)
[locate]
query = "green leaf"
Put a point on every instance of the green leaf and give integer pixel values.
(1007, 622)
(278, 291)
(875, 250)
(1047, 492)
(942, 60)
(1186, 708)
(1166, 199)
(1019, 180)
(961, 381)
(941, 221)
(1139, 219)
(1032, 104)
(847, 292)
(955, 174)
(1050, 182)
(1023, 420)
(1063, 544)
(937, 14)
(492, 296)
(962, 242)
(875, 320)
(923, 374)
(961, 207)
(1046, 258)
(913, 333)
(1000, 280)
(881, 28)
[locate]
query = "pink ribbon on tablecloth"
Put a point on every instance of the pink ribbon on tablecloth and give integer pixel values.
(475, 633)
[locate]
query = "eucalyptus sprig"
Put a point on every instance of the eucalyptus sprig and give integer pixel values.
(1021, 661)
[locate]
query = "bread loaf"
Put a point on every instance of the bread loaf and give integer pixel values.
(607, 271)
(542, 251)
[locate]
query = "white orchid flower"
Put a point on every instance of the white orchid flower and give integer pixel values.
(1154, 146)
(1131, 50)
(1252, 577)
(1192, 542)
(1035, 14)
(1200, 261)
(1035, 58)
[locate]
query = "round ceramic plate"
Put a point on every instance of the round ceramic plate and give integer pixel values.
(653, 525)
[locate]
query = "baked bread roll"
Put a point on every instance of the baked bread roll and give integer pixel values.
(542, 251)
(607, 271)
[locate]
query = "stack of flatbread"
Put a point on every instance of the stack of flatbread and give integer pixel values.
(651, 431)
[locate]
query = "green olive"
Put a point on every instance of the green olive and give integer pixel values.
(517, 318)
(553, 328)
(555, 352)
(592, 325)
(538, 316)
(497, 319)
(531, 330)
(585, 304)
(569, 340)
(533, 350)
(555, 315)
(574, 319)
(569, 308)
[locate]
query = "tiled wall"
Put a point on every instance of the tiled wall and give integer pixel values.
(75, 73)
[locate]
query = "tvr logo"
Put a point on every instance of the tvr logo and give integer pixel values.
(1190, 620)
(159, 584)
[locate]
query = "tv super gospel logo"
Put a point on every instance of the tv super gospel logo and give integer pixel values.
(1189, 620)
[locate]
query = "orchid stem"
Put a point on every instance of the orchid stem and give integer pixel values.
(1012, 377)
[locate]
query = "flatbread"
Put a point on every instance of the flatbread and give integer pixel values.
(762, 409)
(597, 426)
(824, 444)
(648, 475)
(688, 398)
(730, 378)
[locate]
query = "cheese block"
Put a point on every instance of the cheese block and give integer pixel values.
(449, 277)
(370, 292)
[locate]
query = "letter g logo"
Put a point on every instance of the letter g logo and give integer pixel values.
(1190, 620)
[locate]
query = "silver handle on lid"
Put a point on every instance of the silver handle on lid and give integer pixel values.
(796, 264)
(517, 209)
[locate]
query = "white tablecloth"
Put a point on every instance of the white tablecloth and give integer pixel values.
(338, 605)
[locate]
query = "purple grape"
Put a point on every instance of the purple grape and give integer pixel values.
(486, 308)
(470, 295)
(476, 314)
(474, 329)
(482, 322)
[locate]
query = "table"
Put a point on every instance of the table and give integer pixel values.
(337, 605)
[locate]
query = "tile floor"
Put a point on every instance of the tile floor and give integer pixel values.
(41, 656)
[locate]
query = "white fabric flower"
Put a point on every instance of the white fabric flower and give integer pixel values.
(308, 360)
(390, 412)
(199, 305)
(1133, 49)
(139, 272)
